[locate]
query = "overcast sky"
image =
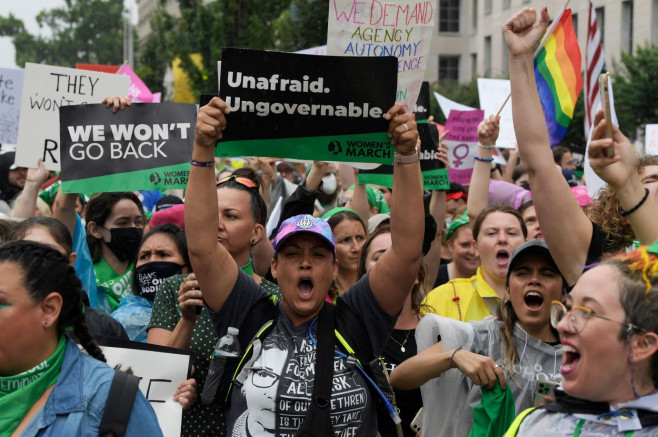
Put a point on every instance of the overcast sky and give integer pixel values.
(27, 10)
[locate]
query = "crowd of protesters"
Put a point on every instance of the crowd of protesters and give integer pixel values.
(516, 305)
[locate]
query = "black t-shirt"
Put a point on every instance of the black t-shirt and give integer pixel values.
(408, 401)
(442, 277)
(277, 389)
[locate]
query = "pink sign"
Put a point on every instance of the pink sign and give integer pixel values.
(138, 91)
(462, 141)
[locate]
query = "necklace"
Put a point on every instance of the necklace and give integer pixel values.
(402, 349)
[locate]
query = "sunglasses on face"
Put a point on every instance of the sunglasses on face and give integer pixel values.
(578, 316)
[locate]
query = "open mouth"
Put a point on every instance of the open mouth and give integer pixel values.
(570, 358)
(502, 257)
(305, 288)
(533, 300)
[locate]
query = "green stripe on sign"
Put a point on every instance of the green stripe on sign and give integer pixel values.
(168, 177)
(368, 147)
(385, 180)
(436, 179)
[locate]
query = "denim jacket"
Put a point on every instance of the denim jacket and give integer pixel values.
(76, 404)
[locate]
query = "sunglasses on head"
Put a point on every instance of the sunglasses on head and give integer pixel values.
(240, 180)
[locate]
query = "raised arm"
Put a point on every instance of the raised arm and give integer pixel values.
(64, 209)
(26, 203)
(566, 228)
(393, 275)
(620, 172)
(478, 193)
(214, 267)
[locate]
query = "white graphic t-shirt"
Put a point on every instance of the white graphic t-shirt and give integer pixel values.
(277, 390)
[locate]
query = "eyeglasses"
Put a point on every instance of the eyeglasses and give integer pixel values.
(262, 377)
(578, 316)
(240, 180)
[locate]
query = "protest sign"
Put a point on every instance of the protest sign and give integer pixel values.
(11, 87)
(448, 105)
(144, 147)
(462, 142)
(138, 91)
(435, 176)
(306, 107)
(160, 369)
(319, 50)
(493, 93)
(651, 139)
(400, 28)
(422, 106)
(45, 90)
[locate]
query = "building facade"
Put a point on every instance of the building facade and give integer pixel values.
(468, 40)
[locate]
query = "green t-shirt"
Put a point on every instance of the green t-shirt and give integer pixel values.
(114, 286)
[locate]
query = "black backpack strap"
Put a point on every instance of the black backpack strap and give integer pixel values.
(119, 405)
(318, 417)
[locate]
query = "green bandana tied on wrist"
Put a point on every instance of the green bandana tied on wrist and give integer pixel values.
(18, 393)
(456, 223)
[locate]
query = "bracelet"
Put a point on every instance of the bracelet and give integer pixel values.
(636, 207)
(202, 163)
(406, 159)
(477, 158)
(487, 147)
(452, 363)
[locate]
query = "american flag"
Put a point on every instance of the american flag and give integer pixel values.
(594, 66)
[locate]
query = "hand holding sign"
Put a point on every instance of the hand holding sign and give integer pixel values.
(402, 130)
(210, 123)
(186, 393)
(117, 102)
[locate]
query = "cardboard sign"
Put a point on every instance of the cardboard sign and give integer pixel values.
(462, 142)
(45, 90)
(400, 28)
(493, 93)
(160, 369)
(11, 88)
(306, 107)
(144, 147)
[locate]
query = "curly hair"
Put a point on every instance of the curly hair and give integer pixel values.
(638, 284)
(605, 213)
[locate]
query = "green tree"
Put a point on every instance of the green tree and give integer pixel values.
(88, 31)
(635, 86)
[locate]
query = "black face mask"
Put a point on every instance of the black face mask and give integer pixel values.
(124, 242)
(148, 277)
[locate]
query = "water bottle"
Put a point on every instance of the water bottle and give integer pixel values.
(227, 347)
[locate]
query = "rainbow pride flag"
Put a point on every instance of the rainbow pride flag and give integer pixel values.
(558, 76)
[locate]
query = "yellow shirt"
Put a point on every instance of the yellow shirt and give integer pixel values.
(474, 299)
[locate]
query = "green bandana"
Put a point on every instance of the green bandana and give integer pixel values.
(18, 393)
(248, 268)
(456, 223)
(332, 212)
(653, 248)
(375, 199)
(115, 287)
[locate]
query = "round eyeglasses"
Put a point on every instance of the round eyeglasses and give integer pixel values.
(578, 316)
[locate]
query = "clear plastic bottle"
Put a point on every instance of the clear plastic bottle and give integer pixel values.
(227, 347)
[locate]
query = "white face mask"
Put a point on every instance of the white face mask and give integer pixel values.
(329, 184)
(448, 221)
